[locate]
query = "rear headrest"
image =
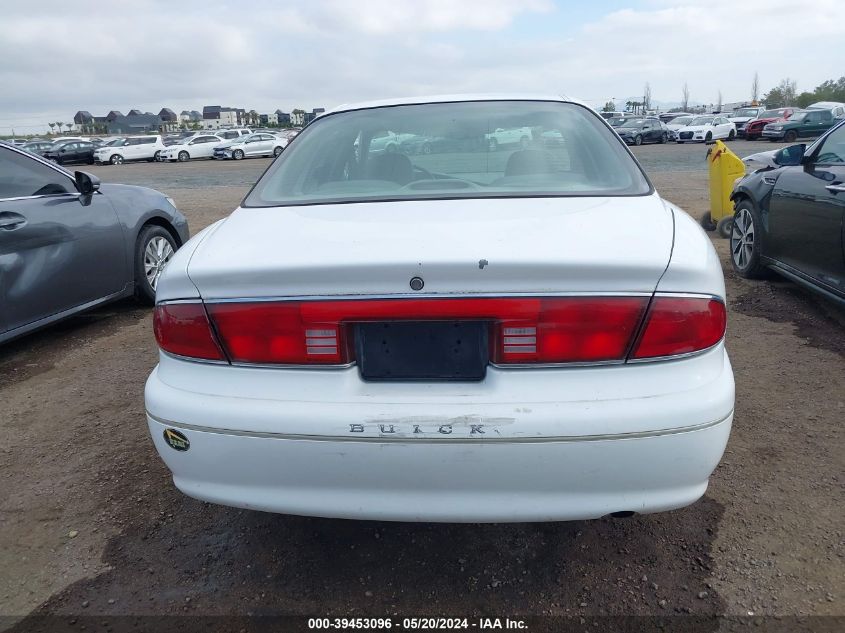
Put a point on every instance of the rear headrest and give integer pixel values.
(529, 162)
(392, 166)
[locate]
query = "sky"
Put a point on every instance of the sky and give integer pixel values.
(60, 57)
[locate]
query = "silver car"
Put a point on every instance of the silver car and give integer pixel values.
(68, 243)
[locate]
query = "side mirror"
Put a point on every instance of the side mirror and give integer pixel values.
(87, 184)
(790, 156)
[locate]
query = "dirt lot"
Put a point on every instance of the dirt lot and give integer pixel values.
(90, 523)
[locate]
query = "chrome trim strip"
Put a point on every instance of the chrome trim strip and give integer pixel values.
(288, 366)
(189, 359)
(437, 295)
(657, 359)
(67, 194)
(381, 439)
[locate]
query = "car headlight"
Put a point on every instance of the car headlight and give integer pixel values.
(776, 127)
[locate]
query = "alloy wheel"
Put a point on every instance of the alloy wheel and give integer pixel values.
(742, 239)
(156, 256)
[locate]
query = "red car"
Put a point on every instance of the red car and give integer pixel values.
(754, 128)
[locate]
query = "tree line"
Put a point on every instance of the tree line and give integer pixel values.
(786, 94)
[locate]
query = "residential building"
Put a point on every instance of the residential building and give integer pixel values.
(188, 117)
(282, 118)
(135, 122)
(214, 117)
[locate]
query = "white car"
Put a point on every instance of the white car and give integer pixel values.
(705, 128)
(532, 335)
(199, 146)
(251, 145)
(509, 136)
(677, 123)
(131, 148)
(741, 116)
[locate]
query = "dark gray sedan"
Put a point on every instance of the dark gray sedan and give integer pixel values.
(68, 243)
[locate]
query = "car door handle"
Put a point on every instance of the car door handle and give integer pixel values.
(11, 221)
(836, 188)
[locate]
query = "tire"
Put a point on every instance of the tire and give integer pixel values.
(238, 154)
(708, 137)
(745, 254)
(724, 226)
(492, 145)
(277, 152)
(750, 137)
(731, 135)
(153, 250)
(638, 140)
(707, 223)
(426, 148)
(791, 136)
(116, 159)
(183, 157)
(680, 142)
(156, 157)
(664, 138)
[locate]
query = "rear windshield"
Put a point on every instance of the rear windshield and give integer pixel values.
(451, 150)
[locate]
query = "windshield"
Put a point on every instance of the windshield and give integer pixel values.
(773, 114)
(633, 123)
(116, 142)
(702, 120)
(451, 150)
(618, 121)
(798, 116)
(681, 120)
(745, 112)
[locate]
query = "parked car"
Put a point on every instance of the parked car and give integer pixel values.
(677, 123)
(70, 243)
(511, 136)
(835, 107)
(445, 338)
(789, 217)
(707, 128)
(38, 147)
(70, 152)
(667, 117)
(639, 131)
(231, 134)
(199, 146)
(611, 115)
(754, 128)
(251, 146)
(806, 124)
(131, 148)
(741, 116)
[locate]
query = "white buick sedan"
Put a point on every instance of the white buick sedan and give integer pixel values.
(527, 334)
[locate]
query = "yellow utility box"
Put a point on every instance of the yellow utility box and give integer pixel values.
(724, 168)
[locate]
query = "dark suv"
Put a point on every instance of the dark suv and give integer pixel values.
(807, 124)
(70, 152)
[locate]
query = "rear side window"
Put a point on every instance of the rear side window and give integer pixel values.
(452, 150)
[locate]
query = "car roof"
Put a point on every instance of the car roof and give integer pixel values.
(452, 98)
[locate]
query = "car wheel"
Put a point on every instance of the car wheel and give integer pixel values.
(156, 157)
(492, 145)
(680, 142)
(638, 140)
(746, 242)
(183, 156)
(116, 159)
(238, 154)
(708, 137)
(731, 135)
(791, 136)
(663, 138)
(750, 137)
(426, 148)
(153, 250)
(724, 226)
(707, 222)
(277, 151)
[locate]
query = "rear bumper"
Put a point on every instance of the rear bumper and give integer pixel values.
(455, 481)
(544, 445)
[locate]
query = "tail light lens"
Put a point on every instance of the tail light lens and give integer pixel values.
(183, 329)
(524, 330)
(681, 325)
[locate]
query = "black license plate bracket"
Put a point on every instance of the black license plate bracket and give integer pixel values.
(436, 351)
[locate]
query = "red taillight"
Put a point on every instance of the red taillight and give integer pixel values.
(680, 325)
(183, 329)
(287, 332)
(570, 330)
(523, 330)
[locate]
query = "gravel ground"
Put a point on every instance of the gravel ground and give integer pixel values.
(92, 525)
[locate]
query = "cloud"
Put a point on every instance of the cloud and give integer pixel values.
(150, 54)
